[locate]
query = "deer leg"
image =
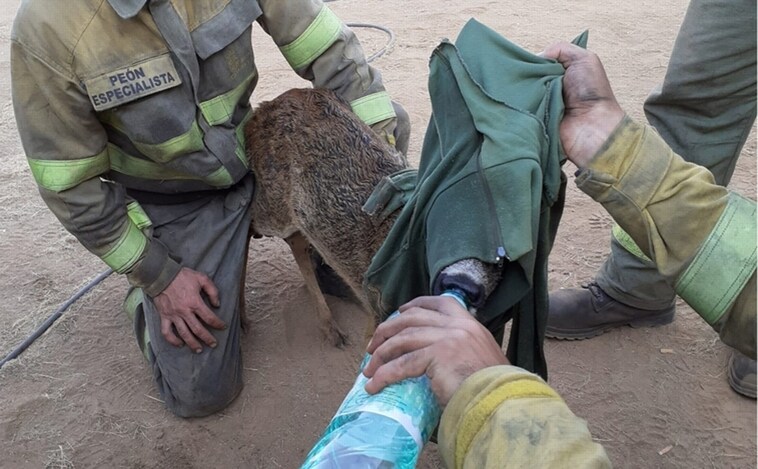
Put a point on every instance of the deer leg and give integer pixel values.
(300, 249)
(244, 322)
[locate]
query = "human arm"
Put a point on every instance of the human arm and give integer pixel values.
(323, 50)
(701, 236)
(68, 153)
(495, 415)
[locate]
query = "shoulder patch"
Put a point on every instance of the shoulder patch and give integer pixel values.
(121, 86)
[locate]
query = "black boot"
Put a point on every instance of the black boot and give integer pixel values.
(582, 313)
(741, 374)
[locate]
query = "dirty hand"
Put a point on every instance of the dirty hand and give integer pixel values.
(181, 305)
(397, 130)
(591, 110)
(433, 335)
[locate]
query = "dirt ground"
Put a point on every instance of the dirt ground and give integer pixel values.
(82, 396)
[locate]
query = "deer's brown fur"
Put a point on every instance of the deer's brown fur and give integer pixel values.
(315, 165)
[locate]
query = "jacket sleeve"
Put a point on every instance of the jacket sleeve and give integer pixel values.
(701, 236)
(322, 49)
(67, 151)
(504, 416)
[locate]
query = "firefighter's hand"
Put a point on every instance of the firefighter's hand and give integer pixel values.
(591, 110)
(433, 335)
(397, 130)
(184, 313)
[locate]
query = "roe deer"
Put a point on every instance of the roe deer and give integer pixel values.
(315, 165)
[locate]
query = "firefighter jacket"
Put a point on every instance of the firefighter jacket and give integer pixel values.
(701, 236)
(113, 96)
(506, 417)
(489, 186)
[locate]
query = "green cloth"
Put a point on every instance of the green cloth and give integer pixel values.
(489, 185)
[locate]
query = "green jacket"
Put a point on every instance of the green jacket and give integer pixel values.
(120, 95)
(489, 185)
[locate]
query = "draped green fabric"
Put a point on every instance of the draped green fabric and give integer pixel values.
(489, 185)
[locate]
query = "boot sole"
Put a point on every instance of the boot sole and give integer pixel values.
(582, 334)
(739, 387)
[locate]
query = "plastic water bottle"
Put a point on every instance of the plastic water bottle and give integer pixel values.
(381, 431)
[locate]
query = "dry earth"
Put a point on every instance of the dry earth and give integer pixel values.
(81, 396)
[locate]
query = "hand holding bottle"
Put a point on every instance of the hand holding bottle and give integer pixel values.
(433, 335)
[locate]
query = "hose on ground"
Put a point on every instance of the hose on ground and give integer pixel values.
(54, 317)
(389, 32)
(383, 50)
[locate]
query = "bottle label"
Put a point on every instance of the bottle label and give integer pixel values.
(410, 402)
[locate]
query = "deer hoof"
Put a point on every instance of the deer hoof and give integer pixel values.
(336, 337)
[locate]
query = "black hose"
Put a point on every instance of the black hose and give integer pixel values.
(54, 317)
(374, 26)
(387, 46)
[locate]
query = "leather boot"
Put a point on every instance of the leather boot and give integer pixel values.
(741, 374)
(582, 313)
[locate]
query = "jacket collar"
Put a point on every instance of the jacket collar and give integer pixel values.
(127, 8)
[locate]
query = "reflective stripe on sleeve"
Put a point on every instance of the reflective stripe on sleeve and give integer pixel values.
(317, 37)
(724, 263)
(628, 243)
(138, 215)
(221, 108)
(59, 175)
(127, 249)
(373, 108)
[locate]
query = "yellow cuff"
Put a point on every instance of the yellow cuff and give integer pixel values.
(478, 397)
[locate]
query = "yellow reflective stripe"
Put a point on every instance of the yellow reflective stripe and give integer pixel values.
(628, 243)
(133, 300)
(221, 108)
(219, 178)
(138, 215)
(318, 37)
(373, 108)
(59, 175)
(163, 152)
(724, 263)
(189, 141)
(137, 167)
(240, 132)
(472, 421)
(127, 250)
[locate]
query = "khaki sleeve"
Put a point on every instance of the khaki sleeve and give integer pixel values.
(322, 49)
(67, 152)
(701, 237)
(506, 417)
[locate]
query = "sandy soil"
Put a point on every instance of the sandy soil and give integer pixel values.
(81, 396)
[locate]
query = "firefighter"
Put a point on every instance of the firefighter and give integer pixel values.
(704, 110)
(131, 114)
